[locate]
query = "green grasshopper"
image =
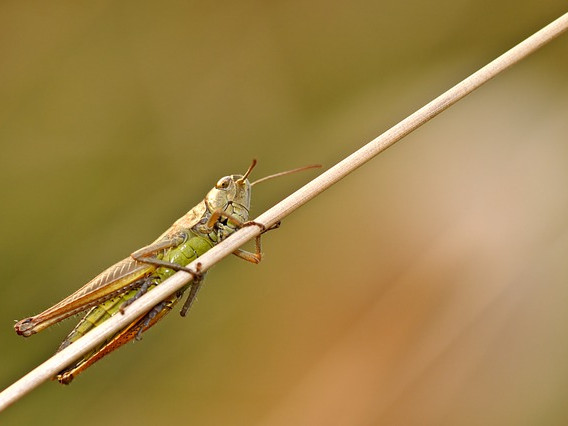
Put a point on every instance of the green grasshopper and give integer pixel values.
(224, 210)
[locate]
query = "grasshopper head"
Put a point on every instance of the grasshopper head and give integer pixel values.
(235, 190)
(231, 190)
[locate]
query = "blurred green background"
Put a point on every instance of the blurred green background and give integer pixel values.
(429, 287)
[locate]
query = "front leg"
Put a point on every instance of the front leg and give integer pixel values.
(218, 214)
(255, 257)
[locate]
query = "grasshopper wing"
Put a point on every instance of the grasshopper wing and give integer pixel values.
(120, 277)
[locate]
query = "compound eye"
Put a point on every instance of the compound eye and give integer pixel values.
(223, 183)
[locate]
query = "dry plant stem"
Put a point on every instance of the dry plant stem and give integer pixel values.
(60, 360)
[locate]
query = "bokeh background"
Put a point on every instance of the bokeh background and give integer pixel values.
(428, 288)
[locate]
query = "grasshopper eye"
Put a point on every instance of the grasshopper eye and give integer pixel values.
(223, 183)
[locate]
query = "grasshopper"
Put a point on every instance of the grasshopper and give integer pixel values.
(223, 211)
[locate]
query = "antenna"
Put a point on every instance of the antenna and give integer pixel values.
(242, 180)
(287, 172)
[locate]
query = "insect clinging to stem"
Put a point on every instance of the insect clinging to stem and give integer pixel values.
(223, 211)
